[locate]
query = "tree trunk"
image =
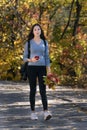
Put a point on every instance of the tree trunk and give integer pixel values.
(78, 10)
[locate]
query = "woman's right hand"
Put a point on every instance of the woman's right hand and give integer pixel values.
(32, 60)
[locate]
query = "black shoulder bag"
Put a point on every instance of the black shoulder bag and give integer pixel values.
(23, 70)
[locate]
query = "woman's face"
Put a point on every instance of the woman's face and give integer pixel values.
(37, 31)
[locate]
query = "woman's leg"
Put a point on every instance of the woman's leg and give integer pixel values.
(41, 73)
(32, 82)
(42, 86)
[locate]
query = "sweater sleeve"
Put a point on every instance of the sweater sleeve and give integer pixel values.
(25, 55)
(47, 55)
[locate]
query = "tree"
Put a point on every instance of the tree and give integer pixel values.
(64, 23)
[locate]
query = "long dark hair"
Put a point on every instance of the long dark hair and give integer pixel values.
(31, 35)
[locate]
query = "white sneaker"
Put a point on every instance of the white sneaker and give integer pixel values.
(47, 115)
(34, 116)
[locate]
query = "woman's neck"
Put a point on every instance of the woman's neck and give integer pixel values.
(37, 39)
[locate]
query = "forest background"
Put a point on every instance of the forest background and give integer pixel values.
(65, 25)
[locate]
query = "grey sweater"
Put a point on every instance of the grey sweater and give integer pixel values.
(37, 50)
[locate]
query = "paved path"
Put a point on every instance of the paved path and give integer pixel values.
(68, 106)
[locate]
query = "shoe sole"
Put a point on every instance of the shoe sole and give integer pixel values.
(48, 117)
(34, 119)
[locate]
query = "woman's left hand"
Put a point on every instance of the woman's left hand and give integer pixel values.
(48, 70)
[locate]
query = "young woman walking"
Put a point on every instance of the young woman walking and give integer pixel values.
(38, 66)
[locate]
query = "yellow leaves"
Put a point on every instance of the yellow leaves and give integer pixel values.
(10, 62)
(3, 70)
(17, 42)
(2, 2)
(78, 69)
(4, 37)
(53, 16)
(33, 20)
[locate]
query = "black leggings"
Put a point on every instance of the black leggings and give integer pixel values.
(35, 72)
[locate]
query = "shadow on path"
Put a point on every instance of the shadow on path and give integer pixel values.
(68, 106)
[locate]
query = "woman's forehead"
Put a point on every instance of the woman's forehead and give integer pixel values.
(36, 27)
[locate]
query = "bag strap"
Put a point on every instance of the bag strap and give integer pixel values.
(44, 43)
(45, 50)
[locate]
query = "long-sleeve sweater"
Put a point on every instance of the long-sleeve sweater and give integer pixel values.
(37, 50)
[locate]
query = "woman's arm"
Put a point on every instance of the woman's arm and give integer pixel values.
(48, 70)
(47, 58)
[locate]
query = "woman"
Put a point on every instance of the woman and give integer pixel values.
(38, 66)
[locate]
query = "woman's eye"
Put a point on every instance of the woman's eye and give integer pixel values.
(37, 29)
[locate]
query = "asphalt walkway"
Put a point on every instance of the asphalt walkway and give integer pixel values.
(68, 106)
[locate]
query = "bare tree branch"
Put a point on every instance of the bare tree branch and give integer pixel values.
(41, 10)
(78, 10)
(54, 12)
(51, 17)
(68, 19)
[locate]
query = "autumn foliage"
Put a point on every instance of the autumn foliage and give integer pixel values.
(51, 80)
(64, 24)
